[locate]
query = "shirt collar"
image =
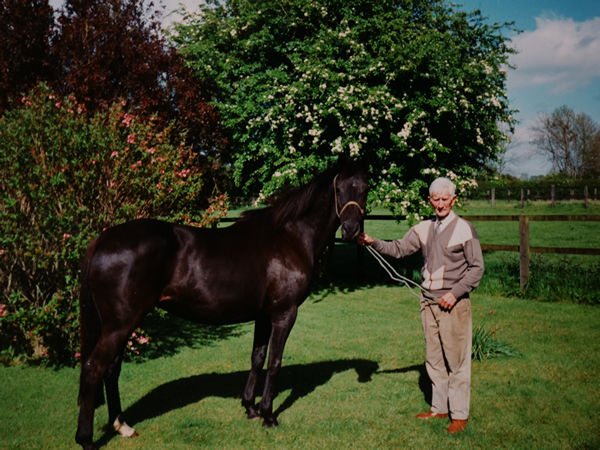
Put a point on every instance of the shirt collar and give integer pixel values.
(446, 220)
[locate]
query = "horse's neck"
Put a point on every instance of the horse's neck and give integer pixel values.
(318, 226)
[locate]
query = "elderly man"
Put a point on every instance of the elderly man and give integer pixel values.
(453, 267)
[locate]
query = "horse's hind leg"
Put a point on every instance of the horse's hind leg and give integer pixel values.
(111, 381)
(92, 374)
(262, 331)
(280, 332)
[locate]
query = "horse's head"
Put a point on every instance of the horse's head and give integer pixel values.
(350, 190)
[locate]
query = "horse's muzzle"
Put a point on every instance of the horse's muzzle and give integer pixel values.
(350, 230)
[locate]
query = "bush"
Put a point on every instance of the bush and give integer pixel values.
(64, 177)
(486, 346)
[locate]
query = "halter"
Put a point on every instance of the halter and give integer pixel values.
(347, 204)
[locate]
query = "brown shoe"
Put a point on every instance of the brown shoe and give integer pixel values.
(457, 426)
(431, 415)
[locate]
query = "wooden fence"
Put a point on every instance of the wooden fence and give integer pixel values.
(528, 194)
(523, 248)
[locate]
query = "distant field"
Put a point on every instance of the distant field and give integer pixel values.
(553, 277)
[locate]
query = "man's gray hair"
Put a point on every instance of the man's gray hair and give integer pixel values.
(440, 184)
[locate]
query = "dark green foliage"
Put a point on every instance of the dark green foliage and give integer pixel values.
(414, 88)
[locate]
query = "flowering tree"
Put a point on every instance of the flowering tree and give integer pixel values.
(64, 177)
(414, 88)
(103, 51)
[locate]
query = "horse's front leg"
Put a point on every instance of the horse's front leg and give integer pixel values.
(280, 331)
(262, 331)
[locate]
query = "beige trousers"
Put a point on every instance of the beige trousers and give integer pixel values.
(448, 339)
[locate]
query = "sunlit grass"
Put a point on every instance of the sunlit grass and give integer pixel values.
(352, 377)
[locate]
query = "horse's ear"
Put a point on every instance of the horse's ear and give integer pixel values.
(348, 164)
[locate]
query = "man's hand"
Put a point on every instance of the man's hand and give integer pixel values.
(447, 301)
(364, 239)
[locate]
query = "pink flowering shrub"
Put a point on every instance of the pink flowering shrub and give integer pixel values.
(64, 177)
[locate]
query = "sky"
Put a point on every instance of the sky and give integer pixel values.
(558, 64)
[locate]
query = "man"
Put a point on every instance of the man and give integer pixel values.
(453, 267)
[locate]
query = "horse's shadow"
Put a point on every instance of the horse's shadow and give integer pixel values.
(301, 380)
(424, 381)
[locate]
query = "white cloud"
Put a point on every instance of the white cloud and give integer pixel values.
(191, 6)
(560, 53)
(522, 155)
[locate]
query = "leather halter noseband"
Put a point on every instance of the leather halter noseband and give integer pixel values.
(347, 204)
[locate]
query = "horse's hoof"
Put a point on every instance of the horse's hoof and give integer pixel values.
(270, 423)
(252, 413)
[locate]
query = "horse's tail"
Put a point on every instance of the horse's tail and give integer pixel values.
(89, 319)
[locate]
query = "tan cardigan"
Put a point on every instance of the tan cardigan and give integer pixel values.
(452, 259)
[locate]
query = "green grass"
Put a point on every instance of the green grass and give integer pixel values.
(353, 373)
(353, 377)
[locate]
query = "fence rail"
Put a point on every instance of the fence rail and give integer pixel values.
(523, 248)
(526, 194)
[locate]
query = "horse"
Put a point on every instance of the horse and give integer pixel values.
(258, 269)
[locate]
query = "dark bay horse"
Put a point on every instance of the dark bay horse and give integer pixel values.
(258, 269)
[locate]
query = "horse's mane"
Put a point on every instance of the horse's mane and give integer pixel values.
(291, 203)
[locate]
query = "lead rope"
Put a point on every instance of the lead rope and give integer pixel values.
(395, 276)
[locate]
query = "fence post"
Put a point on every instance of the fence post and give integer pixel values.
(493, 197)
(585, 196)
(523, 251)
(552, 195)
(522, 198)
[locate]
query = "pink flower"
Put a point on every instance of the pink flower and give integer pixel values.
(65, 237)
(114, 154)
(131, 139)
(127, 118)
(77, 355)
(3, 311)
(143, 340)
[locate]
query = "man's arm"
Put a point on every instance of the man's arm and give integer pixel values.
(409, 244)
(475, 267)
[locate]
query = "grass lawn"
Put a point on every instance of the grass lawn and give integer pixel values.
(353, 373)
(352, 378)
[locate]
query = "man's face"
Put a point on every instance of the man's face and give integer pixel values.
(442, 202)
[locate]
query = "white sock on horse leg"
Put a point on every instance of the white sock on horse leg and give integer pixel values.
(123, 429)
